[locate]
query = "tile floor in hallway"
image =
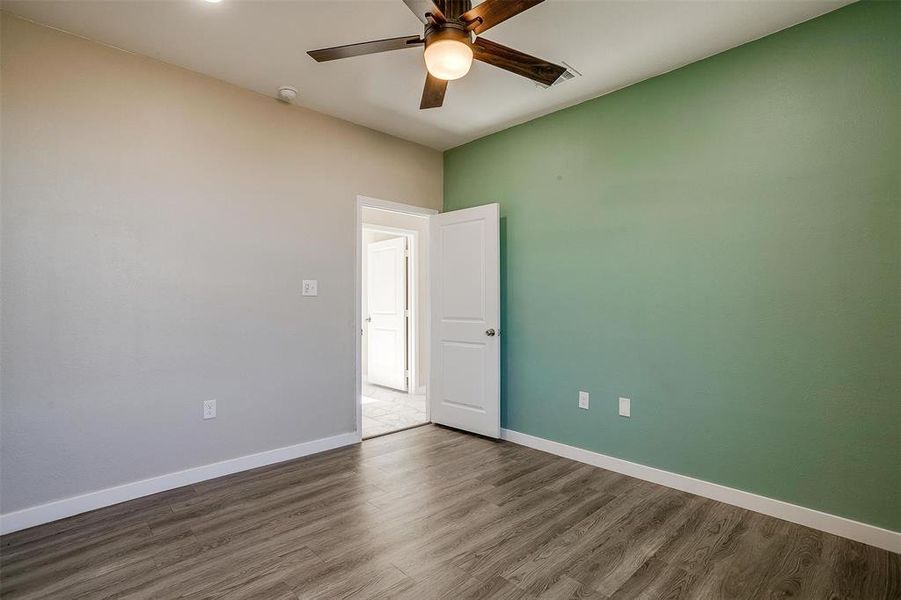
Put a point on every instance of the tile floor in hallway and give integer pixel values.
(386, 410)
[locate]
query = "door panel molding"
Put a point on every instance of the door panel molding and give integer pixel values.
(465, 276)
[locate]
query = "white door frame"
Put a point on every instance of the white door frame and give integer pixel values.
(368, 202)
(412, 298)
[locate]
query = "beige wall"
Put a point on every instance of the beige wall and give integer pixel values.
(156, 226)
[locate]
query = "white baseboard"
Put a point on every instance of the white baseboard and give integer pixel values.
(854, 530)
(60, 509)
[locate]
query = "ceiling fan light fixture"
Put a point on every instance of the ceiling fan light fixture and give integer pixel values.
(450, 45)
(448, 59)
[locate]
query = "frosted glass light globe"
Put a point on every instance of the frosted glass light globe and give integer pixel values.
(448, 59)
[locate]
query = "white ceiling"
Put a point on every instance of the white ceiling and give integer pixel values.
(261, 45)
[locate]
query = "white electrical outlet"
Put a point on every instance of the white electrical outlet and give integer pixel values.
(310, 287)
(209, 409)
(625, 407)
(583, 400)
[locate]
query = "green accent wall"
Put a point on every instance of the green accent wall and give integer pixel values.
(722, 245)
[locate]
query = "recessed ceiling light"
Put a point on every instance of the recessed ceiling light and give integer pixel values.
(214, 1)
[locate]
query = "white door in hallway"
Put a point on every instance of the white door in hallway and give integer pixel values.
(465, 308)
(386, 288)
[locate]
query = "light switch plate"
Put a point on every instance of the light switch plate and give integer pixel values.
(209, 409)
(625, 407)
(310, 287)
(583, 400)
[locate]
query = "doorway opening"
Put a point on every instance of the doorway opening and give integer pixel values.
(393, 310)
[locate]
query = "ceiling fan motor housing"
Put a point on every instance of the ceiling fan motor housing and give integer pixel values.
(451, 30)
(454, 8)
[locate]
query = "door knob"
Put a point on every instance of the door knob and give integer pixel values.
(368, 319)
(490, 333)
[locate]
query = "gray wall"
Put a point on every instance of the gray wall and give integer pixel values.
(156, 226)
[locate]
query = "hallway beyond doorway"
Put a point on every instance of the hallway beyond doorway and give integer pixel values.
(393, 301)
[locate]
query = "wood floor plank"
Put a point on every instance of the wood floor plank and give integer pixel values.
(566, 588)
(544, 565)
(613, 561)
(431, 513)
(492, 557)
(738, 575)
(706, 537)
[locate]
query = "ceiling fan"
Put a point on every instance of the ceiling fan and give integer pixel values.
(450, 46)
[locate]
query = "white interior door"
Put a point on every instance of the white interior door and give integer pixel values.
(465, 299)
(386, 290)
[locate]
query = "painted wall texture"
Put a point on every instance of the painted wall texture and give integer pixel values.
(722, 245)
(156, 228)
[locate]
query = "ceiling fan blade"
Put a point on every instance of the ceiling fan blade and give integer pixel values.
(433, 92)
(373, 47)
(517, 62)
(491, 12)
(423, 8)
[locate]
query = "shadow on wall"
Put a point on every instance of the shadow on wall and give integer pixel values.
(505, 333)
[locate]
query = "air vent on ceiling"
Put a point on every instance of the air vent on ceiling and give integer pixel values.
(570, 73)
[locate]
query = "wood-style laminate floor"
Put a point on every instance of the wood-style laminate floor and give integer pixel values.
(433, 513)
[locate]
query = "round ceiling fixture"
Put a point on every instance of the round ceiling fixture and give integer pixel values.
(448, 53)
(286, 93)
